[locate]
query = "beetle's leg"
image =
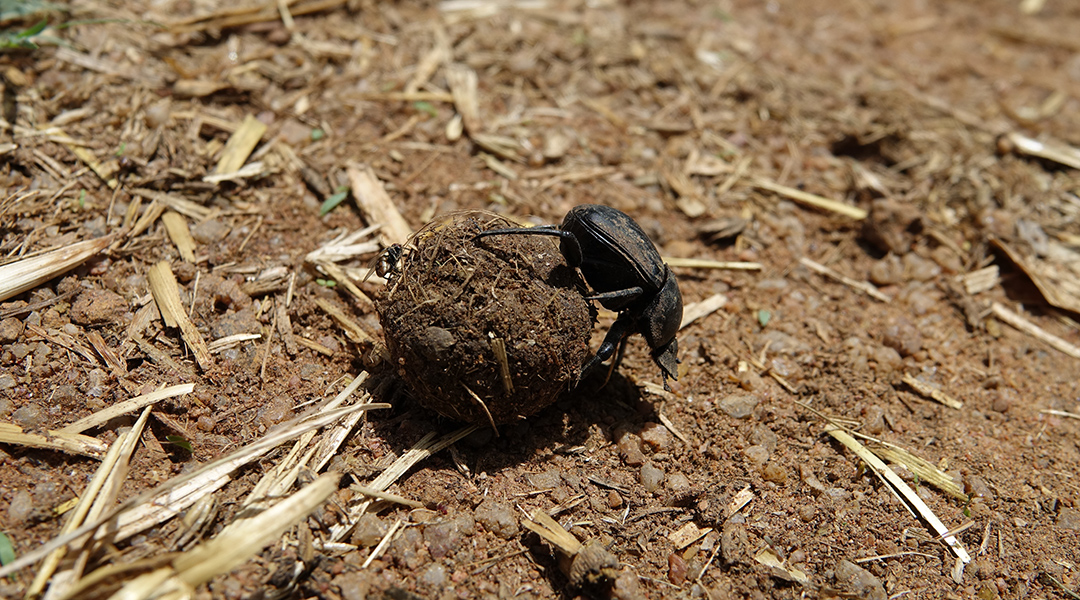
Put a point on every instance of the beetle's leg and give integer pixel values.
(568, 243)
(618, 359)
(630, 293)
(618, 333)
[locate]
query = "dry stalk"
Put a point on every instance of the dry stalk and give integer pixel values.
(167, 296)
(28, 273)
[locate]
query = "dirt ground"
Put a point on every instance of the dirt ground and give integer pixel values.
(716, 125)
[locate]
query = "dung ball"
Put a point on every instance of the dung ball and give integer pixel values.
(488, 330)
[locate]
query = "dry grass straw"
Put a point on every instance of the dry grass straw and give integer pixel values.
(345, 246)
(181, 574)
(862, 286)
(167, 297)
(192, 210)
(981, 280)
(264, 12)
(28, 273)
(702, 309)
(905, 494)
(463, 83)
(240, 145)
(176, 495)
(130, 405)
(809, 199)
(543, 525)
(701, 263)
(932, 392)
(177, 228)
(427, 446)
(352, 328)
(72, 443)
(1053, 151)
(1057, 275)
(1034, 330)
(342, 277)
(279, 479)
(91, 161)
(376, 205)
(231, 341)
(149, 216)
(99, 494)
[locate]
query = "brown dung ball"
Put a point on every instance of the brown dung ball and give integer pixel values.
(489, 330)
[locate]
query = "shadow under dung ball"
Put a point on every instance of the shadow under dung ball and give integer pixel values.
(483, 331)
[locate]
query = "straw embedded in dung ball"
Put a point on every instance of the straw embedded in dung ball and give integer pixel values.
(489, 330)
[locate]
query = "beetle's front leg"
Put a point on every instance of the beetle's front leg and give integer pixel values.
(629, 294)
(622, 327)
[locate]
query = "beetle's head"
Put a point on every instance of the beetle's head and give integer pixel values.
(661, 321)
(667, 358)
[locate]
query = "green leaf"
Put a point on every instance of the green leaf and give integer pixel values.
(426, 107)
(7, 550)
(317, 134)
(326, 282)
(331, 202)
(179, 441)
(34, 30)
(763, 317)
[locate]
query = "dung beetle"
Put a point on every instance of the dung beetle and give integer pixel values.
(627, 275)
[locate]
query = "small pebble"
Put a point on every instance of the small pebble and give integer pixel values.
(209, 231)
(546, 480)
(443, 538)
(20, 508)
(859, 582)
(628, 587)
(976, 487)
(95, 383)
(676, 569)
(677, 482)
(738, 405)
(887, 271)
(903, 337)
(919, 268)
(629, 446)
(157, 114)
(497, 518)
(30, 416)
(887, 359)
(651, 477)
(656, 436)
(763, 436)
(807, 513)
(874, 419)
(1069, 518)
(774, 473)
(7, 381)
(1004, 398)
(10, 330)
(369, 530)
(94, 307)
(614, 500)
(276, 410)
(757, 455)
(434, 576)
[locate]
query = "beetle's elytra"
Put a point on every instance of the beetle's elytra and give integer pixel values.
(627, 275)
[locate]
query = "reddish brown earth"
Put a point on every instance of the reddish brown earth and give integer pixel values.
(682, 114)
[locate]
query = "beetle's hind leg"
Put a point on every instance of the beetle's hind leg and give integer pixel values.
(614, 340)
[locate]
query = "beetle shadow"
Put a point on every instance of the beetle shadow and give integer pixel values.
(563, 428)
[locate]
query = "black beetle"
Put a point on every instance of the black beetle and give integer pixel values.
(620, 262)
